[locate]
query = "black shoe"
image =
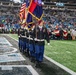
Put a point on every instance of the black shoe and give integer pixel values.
(37, 65)
(27, 55)
(20, 50)
(33, 59)
(23, 52)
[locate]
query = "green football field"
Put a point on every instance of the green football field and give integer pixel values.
(62, 51)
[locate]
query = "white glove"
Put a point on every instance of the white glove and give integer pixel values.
(48, 43)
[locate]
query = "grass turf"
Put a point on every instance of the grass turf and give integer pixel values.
(62, 51)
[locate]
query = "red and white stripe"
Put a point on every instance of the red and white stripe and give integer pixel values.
(23, 7)
(22, 10)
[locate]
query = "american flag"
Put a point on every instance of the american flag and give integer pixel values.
(22, 11)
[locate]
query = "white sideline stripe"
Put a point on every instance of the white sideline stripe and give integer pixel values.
(12, 38)
(61, 66)
(8, 42)
(56, 63)
(9, 67)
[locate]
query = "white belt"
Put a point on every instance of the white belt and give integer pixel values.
(30, 38)
(23, 36)
(38, 39)
(27, 37)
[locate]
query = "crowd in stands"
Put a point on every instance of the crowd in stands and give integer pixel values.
(60, 23)
(9, 24)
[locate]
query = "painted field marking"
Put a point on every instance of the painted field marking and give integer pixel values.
(11, 57)
(10, 67)
(4, 41)
(13, 51)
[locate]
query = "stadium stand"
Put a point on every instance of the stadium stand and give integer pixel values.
(60, 16)
(57, 14)
(9, 16)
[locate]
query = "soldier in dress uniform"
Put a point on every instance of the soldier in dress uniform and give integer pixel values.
(20, 34)
(27, 43)
(19, 38)
(40, 34)
(24, 40)
(31, 45)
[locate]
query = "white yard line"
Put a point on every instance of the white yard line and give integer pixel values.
(58, 64)
(12, 38)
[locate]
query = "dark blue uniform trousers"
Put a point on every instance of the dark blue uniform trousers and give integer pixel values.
(32, 50)
(27, 45)
(27, 48)
(20, 44)
(39, 50)
(24, 45)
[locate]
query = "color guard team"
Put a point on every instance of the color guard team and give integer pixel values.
(32, 42)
